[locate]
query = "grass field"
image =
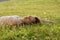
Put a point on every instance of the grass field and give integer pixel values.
(46, 9)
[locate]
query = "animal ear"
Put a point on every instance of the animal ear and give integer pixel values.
(37, 20)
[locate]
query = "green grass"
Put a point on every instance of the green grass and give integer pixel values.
(46, 9)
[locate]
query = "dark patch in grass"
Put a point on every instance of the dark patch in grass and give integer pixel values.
(3, 0)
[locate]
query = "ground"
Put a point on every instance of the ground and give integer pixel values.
(46, 9)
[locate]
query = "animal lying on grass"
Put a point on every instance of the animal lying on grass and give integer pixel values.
(16, 20)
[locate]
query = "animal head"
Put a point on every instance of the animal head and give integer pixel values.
(30, 19)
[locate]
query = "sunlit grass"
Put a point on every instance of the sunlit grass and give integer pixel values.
(47, 9)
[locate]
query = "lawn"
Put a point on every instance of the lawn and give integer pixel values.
(46, 9)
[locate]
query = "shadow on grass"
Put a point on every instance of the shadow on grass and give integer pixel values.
(3, 0)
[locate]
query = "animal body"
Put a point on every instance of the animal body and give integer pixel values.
(16, 20)
(10, 20)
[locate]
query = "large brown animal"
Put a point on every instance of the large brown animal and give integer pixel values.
(16, 20)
